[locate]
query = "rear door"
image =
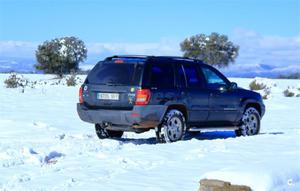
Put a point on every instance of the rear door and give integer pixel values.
(112, 84)
(194, 92)
(159, 78)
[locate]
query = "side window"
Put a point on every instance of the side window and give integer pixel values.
(212, 78)
(162, 75)
(192, 76)
(180, 76)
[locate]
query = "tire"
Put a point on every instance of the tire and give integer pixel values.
(103, 133)
(250, 123)
(172, 128)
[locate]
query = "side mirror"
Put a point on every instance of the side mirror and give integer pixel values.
(223, 88)
(233, 85)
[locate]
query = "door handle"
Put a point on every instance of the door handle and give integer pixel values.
(215, 93)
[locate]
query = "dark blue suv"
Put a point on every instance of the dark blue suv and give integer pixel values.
(169, 94)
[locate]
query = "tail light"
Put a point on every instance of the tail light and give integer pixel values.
(81, 95)
(119, 61)
(142, 97)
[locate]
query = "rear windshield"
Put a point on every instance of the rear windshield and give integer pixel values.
(109, 73)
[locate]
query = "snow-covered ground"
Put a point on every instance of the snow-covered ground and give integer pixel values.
(45, 146)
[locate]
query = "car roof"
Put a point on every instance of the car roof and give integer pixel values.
(158, 58)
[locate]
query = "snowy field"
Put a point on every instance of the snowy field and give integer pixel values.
(45, 146)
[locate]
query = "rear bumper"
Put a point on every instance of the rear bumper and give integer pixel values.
(147, 116)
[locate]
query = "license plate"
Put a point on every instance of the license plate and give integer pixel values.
(108, 96)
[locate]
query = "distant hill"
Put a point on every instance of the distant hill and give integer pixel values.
(21, 65)
(26, 65)
(261, 70)
(290, 76)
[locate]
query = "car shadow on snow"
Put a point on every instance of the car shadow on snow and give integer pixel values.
(136, 141)
(211, 135)
(204, 135)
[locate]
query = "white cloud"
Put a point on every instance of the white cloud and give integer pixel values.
(259, 55)
(265, 55)
(99, 50)
(19, 49)
(163, 47)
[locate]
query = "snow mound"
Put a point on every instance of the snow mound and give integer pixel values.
(33, 157)
(52, 157)
(45, 146)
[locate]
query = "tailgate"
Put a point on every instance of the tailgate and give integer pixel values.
(110, 97)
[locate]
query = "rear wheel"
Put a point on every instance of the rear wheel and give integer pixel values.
(103, 133)
(250, 123)
(172, 128)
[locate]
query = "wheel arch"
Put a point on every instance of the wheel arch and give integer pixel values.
(254, 105)
(179, 107)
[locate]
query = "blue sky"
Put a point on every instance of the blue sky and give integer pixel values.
(143, 20)
(267, 31)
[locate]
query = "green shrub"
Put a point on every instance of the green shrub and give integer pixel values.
(71, 80)
(255, 85)
(15, 81)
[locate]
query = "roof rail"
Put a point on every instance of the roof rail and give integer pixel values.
(158, 57)
(176, 57)
(127, 56)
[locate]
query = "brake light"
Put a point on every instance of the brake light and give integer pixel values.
(142, 97)
(81, 95)
(119, 61)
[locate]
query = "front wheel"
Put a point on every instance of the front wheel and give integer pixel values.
(103, 133)
(172, 128)
(250, 123)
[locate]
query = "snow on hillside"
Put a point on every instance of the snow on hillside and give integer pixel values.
(45, 146)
